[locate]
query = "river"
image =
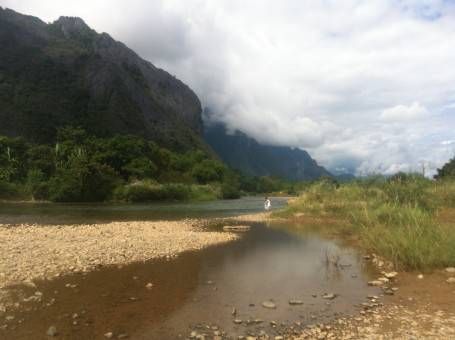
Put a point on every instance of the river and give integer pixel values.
(219, 290)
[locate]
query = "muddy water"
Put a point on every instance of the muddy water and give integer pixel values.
(199, 291)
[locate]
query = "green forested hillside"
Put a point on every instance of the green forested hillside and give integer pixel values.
(64, 73)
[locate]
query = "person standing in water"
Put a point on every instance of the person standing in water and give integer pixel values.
(267, 204)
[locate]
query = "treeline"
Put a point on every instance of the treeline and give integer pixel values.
(84, 168)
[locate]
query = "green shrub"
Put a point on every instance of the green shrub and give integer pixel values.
(230, 188)
(149, 191)
(83, 182)
(208, 171)
(207, 192)
(11, 191)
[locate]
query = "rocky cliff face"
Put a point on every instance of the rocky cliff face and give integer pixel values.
(65, 73)
(245, 154)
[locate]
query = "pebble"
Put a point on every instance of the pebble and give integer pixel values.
(451, 280)
(108, 335)
(295, 302)
(52, 331)
(329, 296)
(149, 285)
(375, 283)
(86, 246)
(420, 276)
(269, 305)
(390, 275)
(450, 270)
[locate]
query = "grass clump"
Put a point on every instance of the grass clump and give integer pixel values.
(395, 217)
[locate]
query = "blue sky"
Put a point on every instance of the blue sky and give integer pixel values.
(367, 86)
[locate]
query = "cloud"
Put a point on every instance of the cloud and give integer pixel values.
(403, 113)
(362, 85)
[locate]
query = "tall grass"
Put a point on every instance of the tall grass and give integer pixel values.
(395, 218)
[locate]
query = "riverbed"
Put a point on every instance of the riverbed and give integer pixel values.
(270, 281)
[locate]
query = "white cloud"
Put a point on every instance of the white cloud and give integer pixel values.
(403, 113)
(362, 85)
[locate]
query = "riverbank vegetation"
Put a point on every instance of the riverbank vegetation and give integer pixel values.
(84, 168)
(402, 218)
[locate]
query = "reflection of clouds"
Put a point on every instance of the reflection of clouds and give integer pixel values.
(361, 85)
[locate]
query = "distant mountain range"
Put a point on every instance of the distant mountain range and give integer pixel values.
(65, 73)
(245, 154)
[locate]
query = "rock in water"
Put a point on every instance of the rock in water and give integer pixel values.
(375, 283)
(391, 275)
(52, 331)
(294, 302)
(269, 304)
(236, 228)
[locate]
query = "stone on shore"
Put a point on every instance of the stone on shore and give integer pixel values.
(390, 275)
(52, 331)
(269, 305)
(376, 283)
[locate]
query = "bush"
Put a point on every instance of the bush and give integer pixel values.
(83, 182)
(10, 191)
(206, 192)
(36, 185)
(208, 171)
(149, 191)
(230, 188)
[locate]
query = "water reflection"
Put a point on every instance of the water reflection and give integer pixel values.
(202, 288)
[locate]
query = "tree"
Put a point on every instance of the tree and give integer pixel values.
(208, 171)
(447, 171)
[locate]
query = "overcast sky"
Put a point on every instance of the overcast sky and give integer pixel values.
(367, 86)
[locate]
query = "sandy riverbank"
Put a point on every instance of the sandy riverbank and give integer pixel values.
(31, 252)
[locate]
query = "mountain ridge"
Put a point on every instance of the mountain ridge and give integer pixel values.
(65, 73)
(244, 153)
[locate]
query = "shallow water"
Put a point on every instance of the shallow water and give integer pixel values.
(200, 289)
(53, 213)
